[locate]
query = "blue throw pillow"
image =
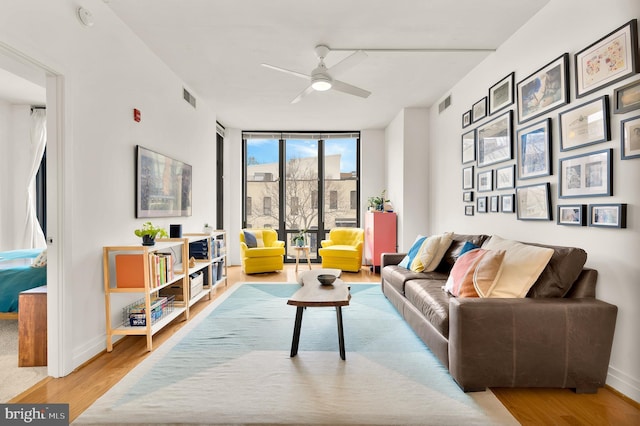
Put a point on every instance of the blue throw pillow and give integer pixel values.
(468, 246)
(413, 251)
(250, 239)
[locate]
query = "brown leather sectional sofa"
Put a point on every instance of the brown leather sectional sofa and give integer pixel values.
(558, 336)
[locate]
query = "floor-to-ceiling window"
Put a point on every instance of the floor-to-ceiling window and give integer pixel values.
(319, 187)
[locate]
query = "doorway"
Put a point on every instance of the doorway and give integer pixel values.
(58, 319)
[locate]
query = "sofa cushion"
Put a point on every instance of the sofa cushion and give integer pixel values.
(522, 265)
(397, 276)
(264, 252)
(453, 252)
(427, 296)
(475, 273)
(413, 252)
(487, 273)
(431, 252)
(349, 252)
(561, 272)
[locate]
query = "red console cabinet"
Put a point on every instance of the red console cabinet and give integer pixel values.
(379, 236)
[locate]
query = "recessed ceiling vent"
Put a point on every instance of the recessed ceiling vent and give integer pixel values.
(444, 104)
(188, 97)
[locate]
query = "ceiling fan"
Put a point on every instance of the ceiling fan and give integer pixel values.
(322, 78)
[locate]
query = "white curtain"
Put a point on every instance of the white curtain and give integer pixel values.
(33, 235)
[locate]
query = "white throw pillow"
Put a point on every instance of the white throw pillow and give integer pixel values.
(521, 266)
(431, 252)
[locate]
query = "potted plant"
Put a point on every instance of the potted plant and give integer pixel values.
(377, 203)
(149, 232)
(207, 229)
(300, 238)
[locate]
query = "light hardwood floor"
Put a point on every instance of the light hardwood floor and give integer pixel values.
(530, 406)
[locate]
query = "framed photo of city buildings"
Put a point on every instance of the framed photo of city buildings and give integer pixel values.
(586, 175)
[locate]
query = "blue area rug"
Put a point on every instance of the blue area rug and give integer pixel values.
(231, 365)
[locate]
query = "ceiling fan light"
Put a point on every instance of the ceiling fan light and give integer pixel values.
(321, 85)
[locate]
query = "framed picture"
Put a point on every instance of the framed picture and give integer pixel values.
(466, 119)
(544, 90)
(505, 177)
(467, 196)
(469, 147)
(507, 203)
(501, 94)
(163, 185)
(572, 214)
(608, 215)
(585, 124)
(494, 203)
(467, 178)
(482, 205)
(626, 98)
(485, 181)
(630, 138)
(586, 175)
(534, 202)
(479, 109)
(468, 210)
(494, 140)
(534, 150)
(610, 59)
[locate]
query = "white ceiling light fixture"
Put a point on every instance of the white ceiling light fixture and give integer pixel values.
(322, 78)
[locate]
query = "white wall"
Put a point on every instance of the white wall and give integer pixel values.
(407, 157)
(15, 161)
(562, 26)
(108, 72)
(6, 214)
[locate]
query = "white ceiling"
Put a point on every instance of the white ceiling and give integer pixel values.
(217, 46)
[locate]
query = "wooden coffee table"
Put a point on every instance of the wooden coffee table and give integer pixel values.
(313, 294)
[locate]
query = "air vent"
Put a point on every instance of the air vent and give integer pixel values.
(189, 97)
(444, 104)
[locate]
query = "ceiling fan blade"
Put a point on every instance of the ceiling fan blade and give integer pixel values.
(352, 90)
(297, 74)
(302, 94)
(347, 63)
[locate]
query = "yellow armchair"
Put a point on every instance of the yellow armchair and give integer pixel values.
(261, 251)
(343, 249)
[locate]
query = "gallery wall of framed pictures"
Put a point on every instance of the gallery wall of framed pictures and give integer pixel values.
(507, 145)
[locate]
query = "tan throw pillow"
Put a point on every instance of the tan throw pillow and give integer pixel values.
(431, 252)
(521, 266)
(427, 250)
(488, 272)
(443, 246)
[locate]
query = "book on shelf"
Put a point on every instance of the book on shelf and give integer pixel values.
(129, 271)
(161, 269)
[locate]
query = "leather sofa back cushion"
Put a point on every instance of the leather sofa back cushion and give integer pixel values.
(453, 252)
(561, 272)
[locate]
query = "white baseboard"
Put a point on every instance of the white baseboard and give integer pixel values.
(624, 384)
(90, 349)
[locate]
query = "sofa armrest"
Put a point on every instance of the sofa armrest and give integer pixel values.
(391, 259)
(278, 243)
(326, 243)
(552, 342)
